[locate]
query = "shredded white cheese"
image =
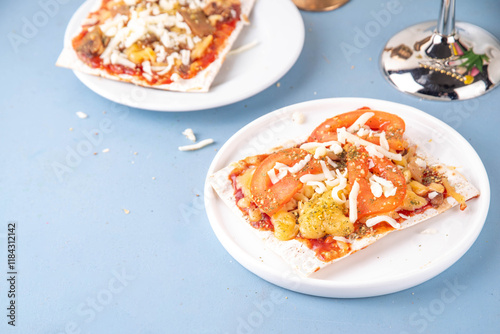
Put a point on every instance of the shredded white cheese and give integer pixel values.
(375, 220)
(372, 151)
(343, 136)
(243, 48)
(383, 141)
(403, 216)
(353, 202)
(342, 239)
(432, 194)
(319, 187)
(196, 146)
(371, 164)
(312, 177)
(319, 152)
(327, 172)
(339, 189)
(189, 134)
(331, 162)
(146, 67)
(420, 163)
(386, 186)
(363, 131)
(272, 176)
(284, 169)
(376, 189)
(333, 145)
(299, 165)
(360, 121)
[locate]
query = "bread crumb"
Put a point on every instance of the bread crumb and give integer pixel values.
(106, 150)
(278, 84)
(126, 211)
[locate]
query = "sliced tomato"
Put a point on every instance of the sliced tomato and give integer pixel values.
(358, 162)
(392, 125)
(271, 197)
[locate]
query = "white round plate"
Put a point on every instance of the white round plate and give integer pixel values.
(396, 262)
(279, 43)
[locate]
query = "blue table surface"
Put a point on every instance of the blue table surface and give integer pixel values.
(85, 266)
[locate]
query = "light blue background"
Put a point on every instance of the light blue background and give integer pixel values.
(160, 269)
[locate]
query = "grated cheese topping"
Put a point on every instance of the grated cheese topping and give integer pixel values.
(284, 169)
(343, 136)
(360, 121)
(375, 220)
(353, 202)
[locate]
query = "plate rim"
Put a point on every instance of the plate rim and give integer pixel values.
(316, 286)
(92, 82)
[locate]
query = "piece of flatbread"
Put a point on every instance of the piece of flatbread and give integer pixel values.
(303, 259)
(199, 83)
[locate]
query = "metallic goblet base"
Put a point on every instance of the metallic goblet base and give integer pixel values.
(431, 66)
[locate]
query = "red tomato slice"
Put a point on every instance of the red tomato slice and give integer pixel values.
(392, 125)
(271, 197)
(358, 162)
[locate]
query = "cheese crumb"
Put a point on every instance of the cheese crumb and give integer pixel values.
(106, 150)
(298, 117)
(420, 163)
(189, 134)
(81, 114)
(126, 211)
(433, 194)
(429, 231)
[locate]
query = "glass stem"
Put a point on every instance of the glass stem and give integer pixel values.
(446, 20)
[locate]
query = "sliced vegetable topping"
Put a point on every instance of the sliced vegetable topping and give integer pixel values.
(392, 125)
(358, 167)
(271, 197)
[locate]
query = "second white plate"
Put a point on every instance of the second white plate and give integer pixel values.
(399, 261)
(279, 43)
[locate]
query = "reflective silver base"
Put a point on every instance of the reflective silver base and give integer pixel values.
(420, 62)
